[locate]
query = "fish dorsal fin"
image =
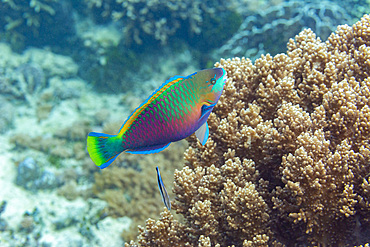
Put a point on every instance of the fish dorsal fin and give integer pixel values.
(202, 133)
(149, 100)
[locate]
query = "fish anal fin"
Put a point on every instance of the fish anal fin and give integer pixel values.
(202, 133)
(149, 150)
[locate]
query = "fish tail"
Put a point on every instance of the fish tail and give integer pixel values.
(103, 148)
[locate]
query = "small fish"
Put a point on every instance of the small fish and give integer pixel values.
(177, 109)
(165, 197)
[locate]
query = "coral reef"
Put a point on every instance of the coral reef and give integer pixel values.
(357, 8)
(7, 115)
(36, 226)
(287, 160)
(3, 224)
(137, 37)
(145, 20)
(26, 76)
(127, 189)
(268, 29)
(33, 22)
(31, 177)
(57, 181)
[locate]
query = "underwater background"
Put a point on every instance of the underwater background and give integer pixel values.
(70, 67)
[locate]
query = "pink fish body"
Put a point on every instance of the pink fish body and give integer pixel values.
(177, 109)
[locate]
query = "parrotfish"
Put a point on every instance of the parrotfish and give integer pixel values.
(177, 109)
(165, 197)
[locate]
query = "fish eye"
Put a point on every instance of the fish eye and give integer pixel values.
(213, 81)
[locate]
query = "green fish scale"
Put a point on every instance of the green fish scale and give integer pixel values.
(167, 118)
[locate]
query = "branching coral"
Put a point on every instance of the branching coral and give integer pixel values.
(158, 20)
(268, 29)
(33, 22)
(287, 160)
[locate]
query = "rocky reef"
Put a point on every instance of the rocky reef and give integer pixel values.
(287, 160)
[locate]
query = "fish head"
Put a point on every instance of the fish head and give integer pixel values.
(211, 84)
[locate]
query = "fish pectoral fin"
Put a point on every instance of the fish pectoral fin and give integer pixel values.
(206, 109)
(149, 150)
(202, 133)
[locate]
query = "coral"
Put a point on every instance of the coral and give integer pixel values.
(51, 63)
(43, 111)
(145, 20)
(7, 115)
(69, 191)
(287, 159)
(22, 82)
(101, 61)
(26, 76)
(28, 171)
(30, 227)
(3, 223)
(41, 143)
(102, 72)
(268, 29)
(33, 22)
(76, 132)
(64, 144)
(100, 37)
(101, 116)
(164, 232)
(27, 224)
(31, 177)
(32, 75)
(127, 189)
(215, 29)
(357, 8)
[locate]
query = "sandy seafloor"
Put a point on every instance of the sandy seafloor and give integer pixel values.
(51, 206)
(58, 221)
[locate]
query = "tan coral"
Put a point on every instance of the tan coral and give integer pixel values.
(162, 233)
(323, 190)
(288, 157)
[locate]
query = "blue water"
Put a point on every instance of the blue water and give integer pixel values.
(70, 67)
